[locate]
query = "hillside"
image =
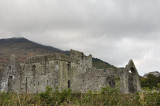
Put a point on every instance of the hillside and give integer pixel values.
(101, 64)
(24, 48)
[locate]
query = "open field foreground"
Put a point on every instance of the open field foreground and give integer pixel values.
(106, 96)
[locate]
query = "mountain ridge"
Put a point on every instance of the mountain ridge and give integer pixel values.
(24, 48)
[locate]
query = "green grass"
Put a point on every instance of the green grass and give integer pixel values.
(105, 97)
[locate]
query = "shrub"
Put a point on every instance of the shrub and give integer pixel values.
(50, 98)
(150, 96)
(47, 96)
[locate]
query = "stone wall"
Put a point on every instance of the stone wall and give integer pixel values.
(11, 76)
(59, 70)
(46, 70)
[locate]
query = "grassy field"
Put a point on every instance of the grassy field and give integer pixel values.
(105, 97)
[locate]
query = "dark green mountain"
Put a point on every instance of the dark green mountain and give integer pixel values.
(101, 64)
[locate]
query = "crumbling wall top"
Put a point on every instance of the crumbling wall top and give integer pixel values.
(54, 56)
(130, 65)
(74, 52)
(78, 54)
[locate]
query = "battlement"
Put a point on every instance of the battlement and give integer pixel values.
(54, 56)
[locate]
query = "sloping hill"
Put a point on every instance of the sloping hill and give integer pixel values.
(24, 48)
(101, 64)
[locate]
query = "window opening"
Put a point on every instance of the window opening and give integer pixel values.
(69, 83)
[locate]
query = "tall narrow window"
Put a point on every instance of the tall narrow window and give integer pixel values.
(45, 63)
(69, 66)
(9, 67)
(69, 83)
(47, 82)
(26, 84)
(34, 70)
(38, 83)
(33, 67)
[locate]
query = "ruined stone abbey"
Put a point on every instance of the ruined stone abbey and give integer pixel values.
(73, 71)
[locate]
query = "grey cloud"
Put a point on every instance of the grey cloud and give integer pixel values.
(112, 30)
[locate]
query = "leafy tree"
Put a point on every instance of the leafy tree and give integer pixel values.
(150, 81)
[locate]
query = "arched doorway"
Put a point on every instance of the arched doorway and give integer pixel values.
(132, 80)
(10, 83)
(111, 81)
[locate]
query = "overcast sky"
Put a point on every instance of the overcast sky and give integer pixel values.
(112, 30)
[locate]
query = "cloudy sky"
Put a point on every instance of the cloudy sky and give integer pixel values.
(112, 30)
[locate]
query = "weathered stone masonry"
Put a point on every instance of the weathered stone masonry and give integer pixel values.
(59, 70)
